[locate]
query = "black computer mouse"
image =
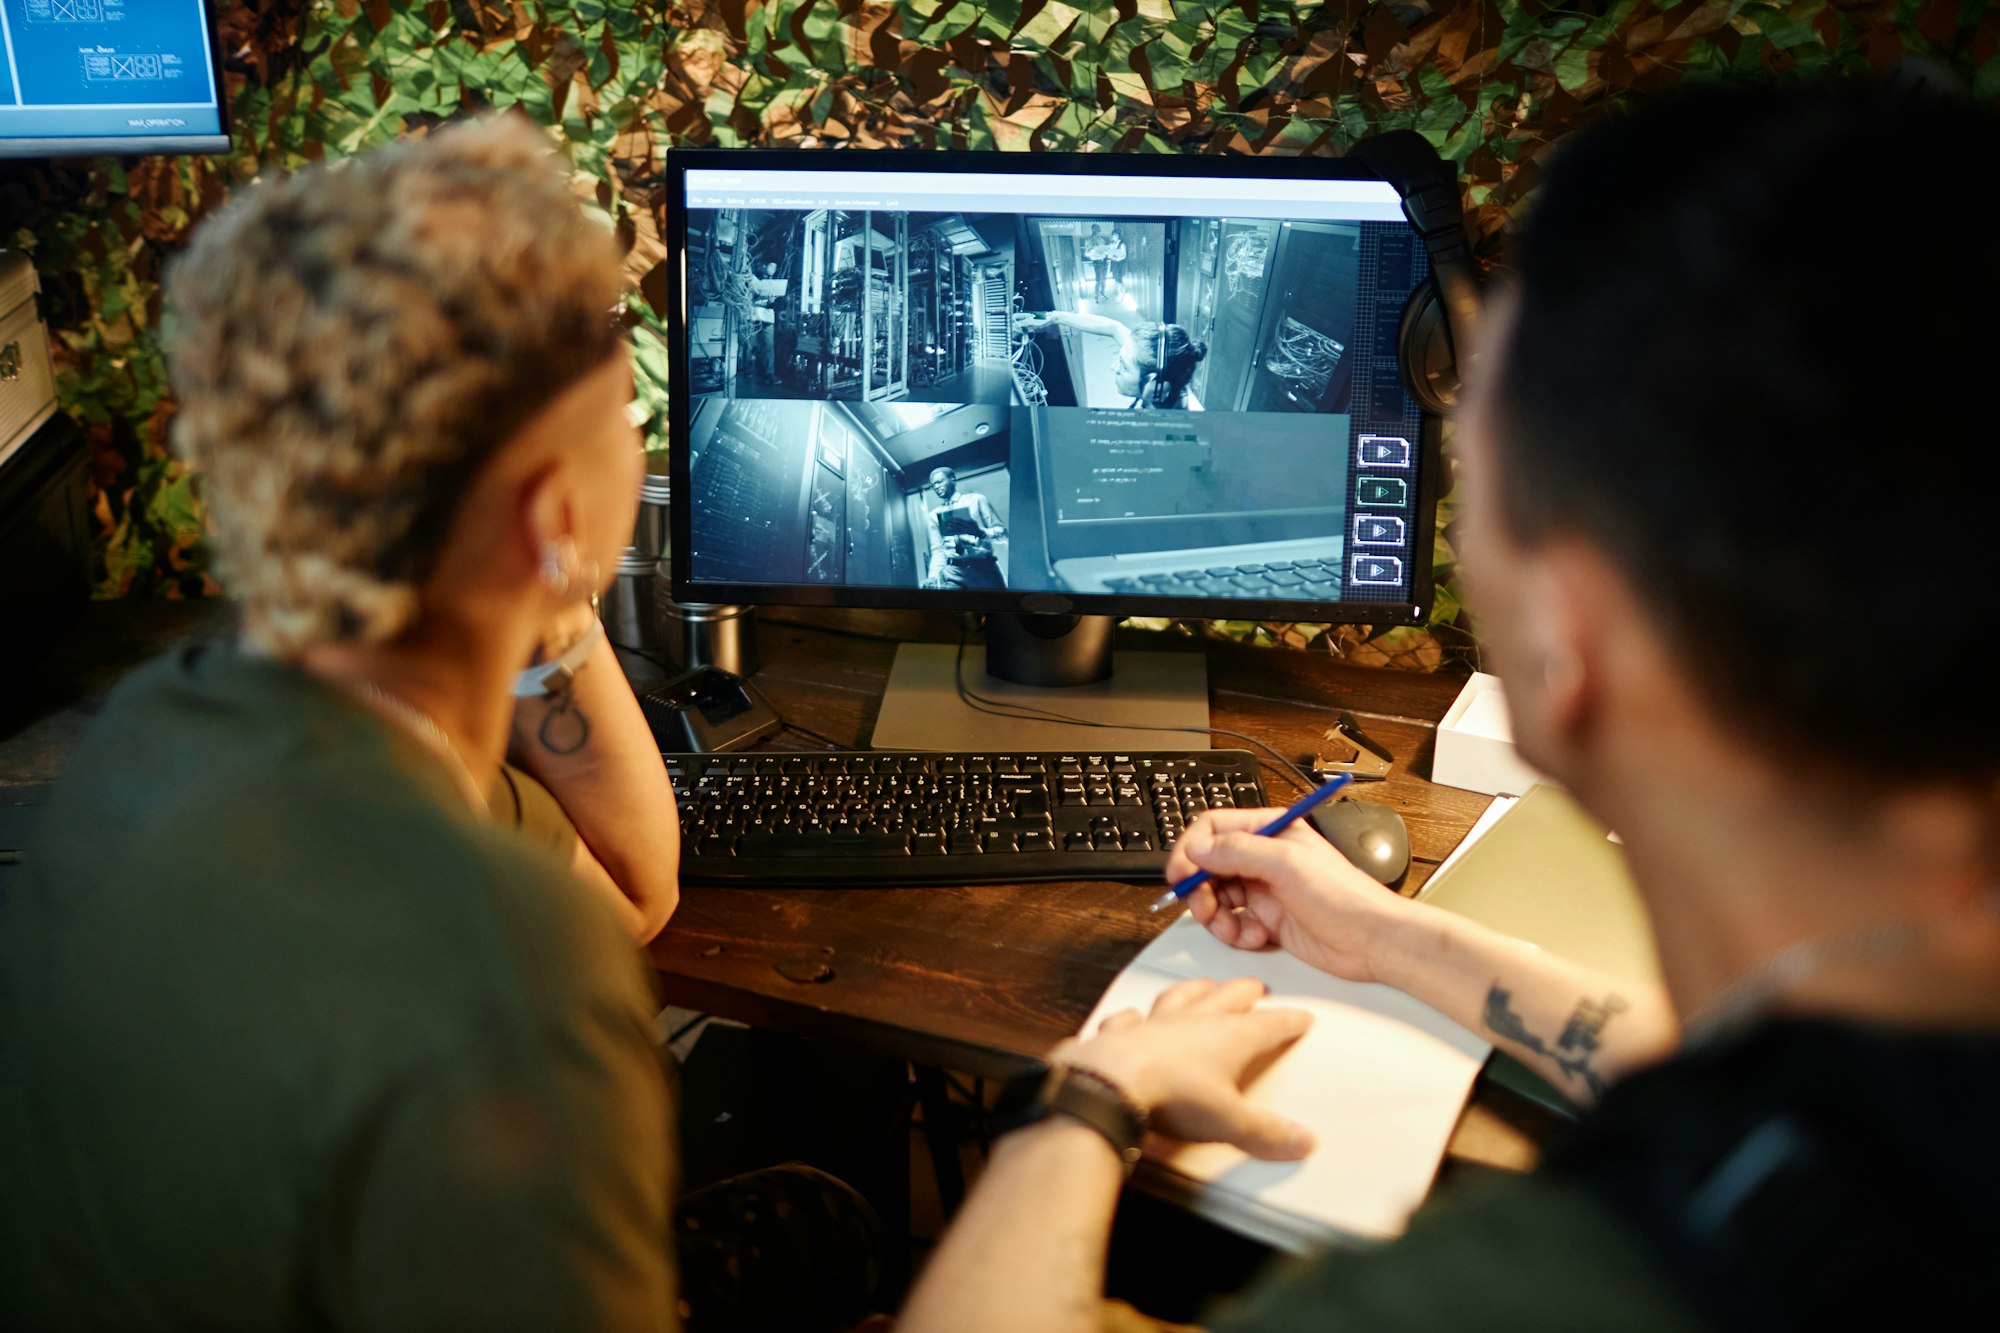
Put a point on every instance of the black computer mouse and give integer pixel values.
(1372, 836)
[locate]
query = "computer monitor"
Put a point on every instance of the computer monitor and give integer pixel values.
(110, 76)
(1084, 384)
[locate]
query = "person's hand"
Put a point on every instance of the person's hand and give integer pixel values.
(1293, 891)
(1031, 324)
(1186, 1063)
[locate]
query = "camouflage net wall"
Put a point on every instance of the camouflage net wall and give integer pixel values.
(1493, 83)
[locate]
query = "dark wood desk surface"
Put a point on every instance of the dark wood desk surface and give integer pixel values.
(977, 979)
(982, 979)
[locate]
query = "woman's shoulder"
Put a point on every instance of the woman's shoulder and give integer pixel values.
(226, 799)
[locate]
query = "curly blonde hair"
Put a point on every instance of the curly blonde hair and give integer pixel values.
(351, 344)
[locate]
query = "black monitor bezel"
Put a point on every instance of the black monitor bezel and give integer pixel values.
(161, 145)
(680, 161)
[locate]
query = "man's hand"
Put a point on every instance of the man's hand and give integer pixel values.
(1293, 890)
(1186, 1064)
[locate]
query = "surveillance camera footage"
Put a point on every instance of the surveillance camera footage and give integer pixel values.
(1098, 391)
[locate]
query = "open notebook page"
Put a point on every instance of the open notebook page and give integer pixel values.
(1380, 1079)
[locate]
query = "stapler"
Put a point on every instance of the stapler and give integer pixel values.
(1352, 752)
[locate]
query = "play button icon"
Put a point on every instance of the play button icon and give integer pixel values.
(1383, 492)
(1378, 530)
(1375, 570)
(1384, 451)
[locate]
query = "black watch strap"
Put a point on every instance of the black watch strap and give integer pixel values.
(1086, 1095)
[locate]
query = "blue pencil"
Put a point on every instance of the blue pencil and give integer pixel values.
(1298, 810)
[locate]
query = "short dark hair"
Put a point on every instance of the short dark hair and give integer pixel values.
(1752, 363)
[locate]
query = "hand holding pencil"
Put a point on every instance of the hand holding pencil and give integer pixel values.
(1288, 890)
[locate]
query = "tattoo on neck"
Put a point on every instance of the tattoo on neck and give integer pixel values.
(1575, 1048)
(564, 729)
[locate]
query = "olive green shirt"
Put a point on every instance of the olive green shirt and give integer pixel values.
(290, 1038)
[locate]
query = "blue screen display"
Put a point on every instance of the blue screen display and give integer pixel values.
(107, 76)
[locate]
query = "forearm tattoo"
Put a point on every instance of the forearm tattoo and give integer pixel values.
(565, 729)
(1575, 1048)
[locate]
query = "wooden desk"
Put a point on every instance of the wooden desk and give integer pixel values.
(979, 980)
(984, 979)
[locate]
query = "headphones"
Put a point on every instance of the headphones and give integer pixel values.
(1444, 310)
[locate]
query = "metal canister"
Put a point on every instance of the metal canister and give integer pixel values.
(649, 534)
(696, 634)
(628, 611)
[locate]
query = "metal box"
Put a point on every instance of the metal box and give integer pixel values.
(27, 378)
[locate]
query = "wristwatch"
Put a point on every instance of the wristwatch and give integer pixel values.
(1081, 1094)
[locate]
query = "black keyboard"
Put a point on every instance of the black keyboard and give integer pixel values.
(865, 817)
(1298, 580)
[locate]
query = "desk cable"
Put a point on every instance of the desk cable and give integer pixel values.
(980, 703)
(671, 670)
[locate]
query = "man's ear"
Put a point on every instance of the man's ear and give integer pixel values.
(1556, 692)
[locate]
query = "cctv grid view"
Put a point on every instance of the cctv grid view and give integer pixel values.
(1102, 390)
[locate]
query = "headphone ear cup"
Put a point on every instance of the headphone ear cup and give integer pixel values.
(1424, 344)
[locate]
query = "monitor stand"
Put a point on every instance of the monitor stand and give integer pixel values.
(1053, 663)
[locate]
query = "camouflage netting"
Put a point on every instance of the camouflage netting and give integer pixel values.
(1493, 84)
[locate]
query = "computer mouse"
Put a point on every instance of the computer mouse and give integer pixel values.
(1371, 835)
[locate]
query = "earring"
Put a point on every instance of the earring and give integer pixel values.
(559, 565)
(564, 571)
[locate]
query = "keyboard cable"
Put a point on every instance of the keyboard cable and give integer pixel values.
(1034, 713)
(980, 703)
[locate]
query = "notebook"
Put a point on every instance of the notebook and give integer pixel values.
(1380, 1078)
(1547, 873)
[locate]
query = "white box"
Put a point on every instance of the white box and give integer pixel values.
(1475, 743)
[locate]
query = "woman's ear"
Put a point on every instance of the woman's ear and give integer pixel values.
(546, 517)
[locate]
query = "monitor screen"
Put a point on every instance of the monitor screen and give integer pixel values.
(109, 76)
(1104, 384)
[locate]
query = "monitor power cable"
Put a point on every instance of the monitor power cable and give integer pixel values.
(979, 703)
(673, 670)
(1030, 713)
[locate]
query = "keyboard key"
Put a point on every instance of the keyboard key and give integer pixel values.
(822, 842)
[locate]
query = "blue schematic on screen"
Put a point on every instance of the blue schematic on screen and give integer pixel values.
(97, 75)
